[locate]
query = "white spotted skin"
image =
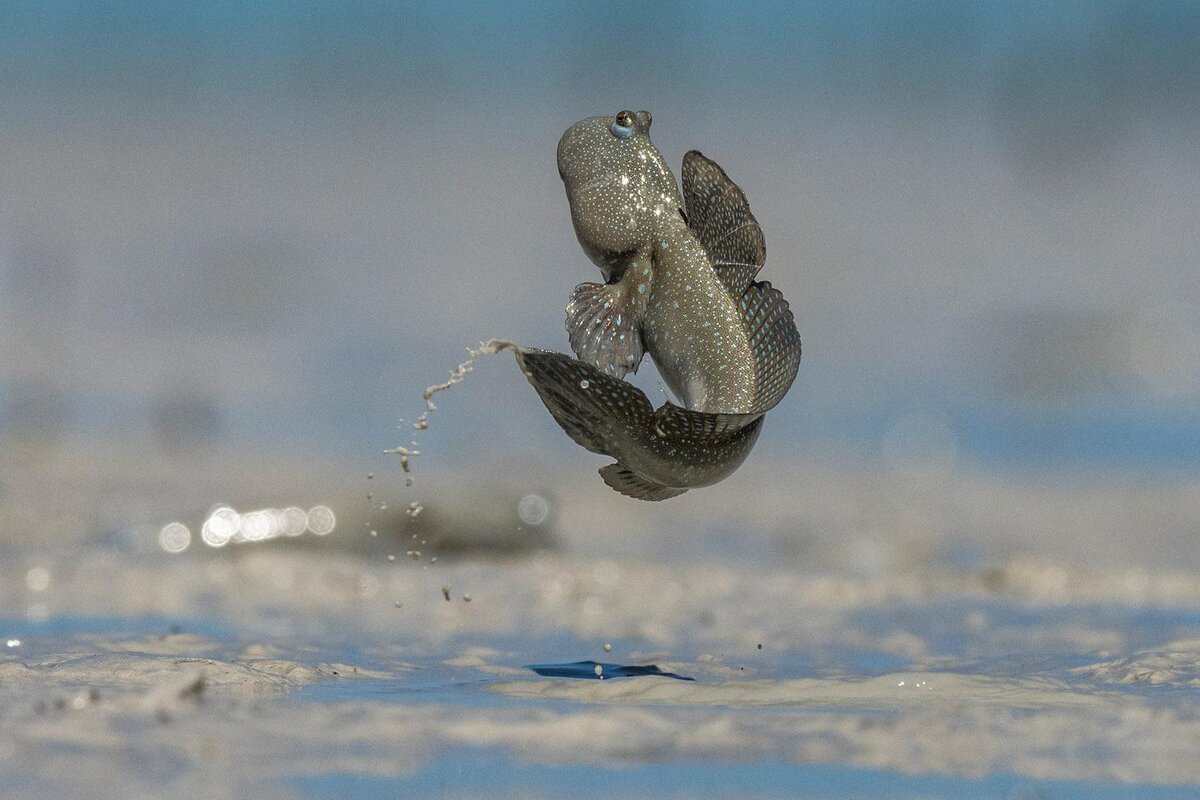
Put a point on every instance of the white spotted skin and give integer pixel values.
(686, 463)
(625, 206)
(617, 188)
(693, 329)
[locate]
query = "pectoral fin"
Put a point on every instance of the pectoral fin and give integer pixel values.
(604, 322)
(630, 484)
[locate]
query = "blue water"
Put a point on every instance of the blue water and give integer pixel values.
(1112, 437)
(586, 670)
(487, 770)
(458, 776)
(66, 626)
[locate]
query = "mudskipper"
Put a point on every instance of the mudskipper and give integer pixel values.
(678, 284)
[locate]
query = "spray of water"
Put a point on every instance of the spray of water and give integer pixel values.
(457, 375)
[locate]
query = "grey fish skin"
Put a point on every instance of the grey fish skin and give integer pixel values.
(679, 275)
(663, 293)
(660, 454)
(616, 186)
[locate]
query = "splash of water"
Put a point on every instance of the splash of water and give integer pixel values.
(457, 375)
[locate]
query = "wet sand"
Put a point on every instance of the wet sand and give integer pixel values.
(925, 636)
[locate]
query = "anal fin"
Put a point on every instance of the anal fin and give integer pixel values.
(680, 423)
(630, 484)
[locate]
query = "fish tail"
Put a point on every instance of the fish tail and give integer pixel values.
(596, 410)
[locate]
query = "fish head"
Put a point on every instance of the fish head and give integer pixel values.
(619, 187)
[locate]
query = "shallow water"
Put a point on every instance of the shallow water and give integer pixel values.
(303, 669)
(767, 780)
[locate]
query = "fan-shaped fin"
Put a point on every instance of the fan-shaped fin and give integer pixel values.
(677, 423)
(604, 321)
(774, 341)
(593, 408)
(630, 484)
(719, 216)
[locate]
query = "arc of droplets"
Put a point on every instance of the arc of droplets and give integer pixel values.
(457, 375)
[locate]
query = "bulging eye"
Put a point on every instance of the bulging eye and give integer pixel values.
(623, 125)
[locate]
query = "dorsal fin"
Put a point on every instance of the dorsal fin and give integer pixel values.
(675, 422)
(719, 216)
(774, 341)
(630, 484)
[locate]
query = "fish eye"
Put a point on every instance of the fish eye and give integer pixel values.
(623, 125)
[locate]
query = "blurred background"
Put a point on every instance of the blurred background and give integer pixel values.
(237, 240)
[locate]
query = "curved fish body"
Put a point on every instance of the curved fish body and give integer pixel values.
(678, 281)
(679, 284)
(660, 453)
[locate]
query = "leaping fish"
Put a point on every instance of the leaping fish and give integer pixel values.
(679, 284)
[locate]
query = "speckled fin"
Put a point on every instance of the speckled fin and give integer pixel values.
(774, 341)
(630, 484)
(680, 424)
(604, 324)
(719, 215)
(593, 408)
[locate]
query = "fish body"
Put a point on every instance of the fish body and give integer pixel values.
(618, 186)
(660, 453)
(661, 294)
(679, 284)
(693, 330)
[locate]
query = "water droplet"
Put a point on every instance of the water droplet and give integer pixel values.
(533, 509)
(584, 384)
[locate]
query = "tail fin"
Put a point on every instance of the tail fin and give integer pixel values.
(593, 408)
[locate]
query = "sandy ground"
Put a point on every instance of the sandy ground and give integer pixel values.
(928, 625)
